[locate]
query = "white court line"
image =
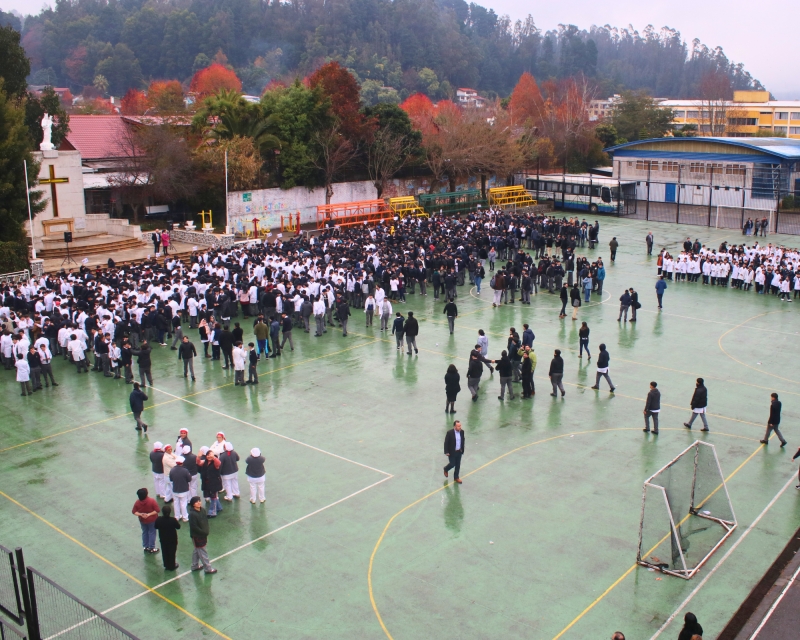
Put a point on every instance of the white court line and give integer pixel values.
(775, 606)
(279, 435)
(247, 544)
(724, 558)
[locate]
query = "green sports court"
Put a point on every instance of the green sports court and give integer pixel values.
(361, 535)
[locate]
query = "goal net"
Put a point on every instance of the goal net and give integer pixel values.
(686, 513)
(733, 217)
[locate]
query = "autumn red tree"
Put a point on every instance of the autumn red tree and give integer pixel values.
(339, 85)
(420, 111)
(526, 103)
(213, 78)
(166, 96)
(134, 103)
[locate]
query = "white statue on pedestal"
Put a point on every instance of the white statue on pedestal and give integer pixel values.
(47, 128)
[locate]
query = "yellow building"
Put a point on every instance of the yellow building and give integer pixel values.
(748, 114)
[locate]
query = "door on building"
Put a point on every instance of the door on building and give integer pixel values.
(697, 195)
(669, 193)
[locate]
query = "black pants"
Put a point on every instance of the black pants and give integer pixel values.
(527, 385)
(228, 355)
(168, 551)
(455, 463)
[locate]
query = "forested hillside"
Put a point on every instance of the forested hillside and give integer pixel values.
(431, 46)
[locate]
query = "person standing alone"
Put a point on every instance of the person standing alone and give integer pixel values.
(137, 399)
(198, 530)
(774, 421)
(652, 407)
(698, 404)
(146, 509)
(454, 442)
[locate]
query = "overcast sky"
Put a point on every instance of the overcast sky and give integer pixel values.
(759, 36)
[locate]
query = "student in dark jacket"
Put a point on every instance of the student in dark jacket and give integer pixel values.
(691, 627)
(451, 310)
(652, 407)
(603, 359)
(411, 329)
(209, 467)
(144, 362)
(198, 530)
(506, 369)
(343, 313)
(187, 353)
(226, 346)
(698, 405)
(556, 373)
(398, 330)
(634, 303)
(564, 299)
(774, 420)
(256, 475)
(167, 528)
(454, 442)
(452, 385)
(137, 399)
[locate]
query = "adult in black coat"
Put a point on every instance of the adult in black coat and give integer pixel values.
(452, 385)
(454, 442)
(167, 528)
(691, 627)
(652, 407)
(137, 399)
(698, 404)
(556, 373)
(144, 362)
(226, 345)
(411, 329)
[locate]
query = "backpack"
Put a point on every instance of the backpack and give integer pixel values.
(491, 282)
(370, 307)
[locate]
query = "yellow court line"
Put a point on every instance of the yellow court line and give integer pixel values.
(766, 373)
(628, 572)
(191, 395)
(483, 466)
(111, 564)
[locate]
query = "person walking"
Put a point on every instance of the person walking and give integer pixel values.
(564, 295)
(167, 528)
(634, 303)
(613, 246)
(652, 407)
(602, 368)
(369, 310)
(137, 399)
(386, 313)
(411, 329)
(452, 385)
(575, 300)
(587, 287)
(187, 353)
(624, 305)
(451, 311)
(198, 530)
(397, 330)
(286, 330)
(556, 373)
(583, 338)
(343, 313)
(454, 442)
(181, 480)
(146, 509)
(505, 369)
(256, 475)
(144, 362)
(774, 420)
(661, 287)
(698, 404)
(691, 628)
(649, 240)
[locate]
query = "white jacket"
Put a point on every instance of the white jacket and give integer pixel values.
(239, 358)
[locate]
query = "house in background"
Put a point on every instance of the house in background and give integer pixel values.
(469, 98)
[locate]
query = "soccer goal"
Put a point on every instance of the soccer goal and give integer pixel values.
(733, 217)
(686, 513)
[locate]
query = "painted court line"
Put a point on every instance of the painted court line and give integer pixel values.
(723, 559)
(273, 433)
(775, 606)
(247, 544)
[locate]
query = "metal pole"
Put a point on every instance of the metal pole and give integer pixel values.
(30, 214)
(710, 193)
(647, 208)
(680, 186)
(744, 196)
(32, 614)
(227, 221)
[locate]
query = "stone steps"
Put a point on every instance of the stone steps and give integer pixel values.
(107, 245)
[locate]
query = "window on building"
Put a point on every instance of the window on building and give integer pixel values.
(697, 167)
(682, 114)
(795, 115)
(670, 166)
(641, 165)
(794, 131)
(693, 115)
(765, 113)
(743, 122)
(781, 115)
(653, 165)
(781, 130)
(714, 168)
(735, 169)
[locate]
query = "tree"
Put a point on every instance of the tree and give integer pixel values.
(181, 43)
(335, 152)
(134, 103)
(392, 145)
(341, 88)
(121, 69)
(166, 97)
(526, 104)
(15, 147)
(227, 115)
(143, 33)
(214, 78)
(606, 133)
(15, 67)
(637, 116)
(36, 107)
(244, 162)
(421, 111)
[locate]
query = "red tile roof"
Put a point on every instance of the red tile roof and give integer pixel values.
(95, 137)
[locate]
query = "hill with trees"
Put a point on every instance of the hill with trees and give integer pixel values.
(394, 48)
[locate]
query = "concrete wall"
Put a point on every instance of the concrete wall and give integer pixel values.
(102, 223)
(66, 164)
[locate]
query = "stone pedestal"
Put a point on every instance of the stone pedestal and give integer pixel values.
(61, 181)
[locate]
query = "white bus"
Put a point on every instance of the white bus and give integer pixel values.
(584, 192)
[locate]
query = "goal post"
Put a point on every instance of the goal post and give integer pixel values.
(686, 513)
(733, 217)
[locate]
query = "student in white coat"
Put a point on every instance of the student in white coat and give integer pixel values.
(239, 362)
(256, 475)
(169, 462)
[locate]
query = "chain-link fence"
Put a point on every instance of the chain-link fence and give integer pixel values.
(56, 613)
(7, 632)
(10, 598)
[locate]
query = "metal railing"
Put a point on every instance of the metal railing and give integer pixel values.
(16, 276)
(7, 632)
(10, 598)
